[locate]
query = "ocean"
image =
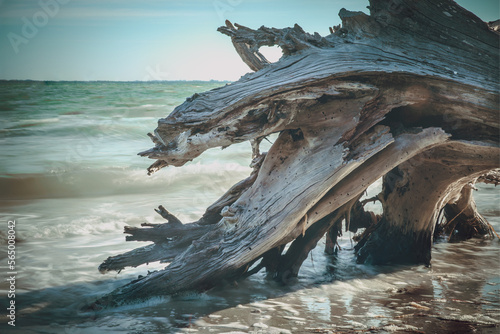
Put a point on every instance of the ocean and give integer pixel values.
(71, 179)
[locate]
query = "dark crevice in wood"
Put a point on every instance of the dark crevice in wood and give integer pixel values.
(290, 263)
(462, 220)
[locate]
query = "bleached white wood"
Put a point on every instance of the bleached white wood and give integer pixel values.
(409, 92)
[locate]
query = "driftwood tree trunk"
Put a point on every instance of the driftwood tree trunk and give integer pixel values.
(409, 93)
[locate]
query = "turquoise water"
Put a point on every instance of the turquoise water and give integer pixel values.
(71, 178)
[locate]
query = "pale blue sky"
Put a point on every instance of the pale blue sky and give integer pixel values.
(151, 39)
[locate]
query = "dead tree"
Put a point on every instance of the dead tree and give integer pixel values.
(408, 93)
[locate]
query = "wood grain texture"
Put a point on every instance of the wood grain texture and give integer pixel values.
(408, 93)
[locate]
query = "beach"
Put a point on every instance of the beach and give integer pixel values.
(71, 180)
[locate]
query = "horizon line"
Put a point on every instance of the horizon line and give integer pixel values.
(124, 81)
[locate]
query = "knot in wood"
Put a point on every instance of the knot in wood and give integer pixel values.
(228, 211)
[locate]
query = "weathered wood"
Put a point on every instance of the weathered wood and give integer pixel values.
(167, 215)
(492, 177)
(463, 221)
(432, 179)
(136, 257)
(173, 238)
(409, 93)
(249, 53)
(291, 261)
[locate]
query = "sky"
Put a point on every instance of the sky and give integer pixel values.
(128, 40)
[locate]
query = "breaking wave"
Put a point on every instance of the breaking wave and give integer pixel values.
(95, 182)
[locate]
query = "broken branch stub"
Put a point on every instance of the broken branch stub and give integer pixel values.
(408, 93)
